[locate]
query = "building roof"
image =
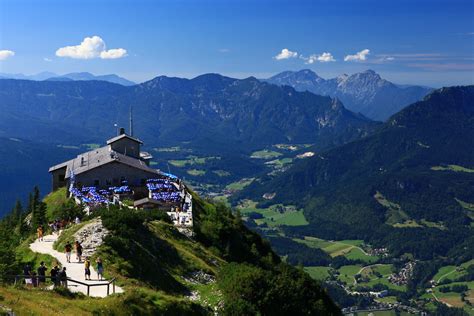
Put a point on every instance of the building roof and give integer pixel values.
(119, 137)
(99, 157)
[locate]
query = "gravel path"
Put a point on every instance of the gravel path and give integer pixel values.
(74, 270)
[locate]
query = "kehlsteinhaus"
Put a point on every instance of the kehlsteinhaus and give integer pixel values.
(119, 173)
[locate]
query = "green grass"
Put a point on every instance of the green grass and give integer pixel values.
(347, 248)
(455, 168)
(452, 272)
(221, 173)
(136, 301)
(318, 273)
(346, 273)
(25, 255)
(265, 154)
(275, 215)
(407, 224)
(239, 185)
(357, 254)
(54, 202)
(466, 205)
(395, 215)
(453, 298)
(279, 163)
(287, 147)
(67, 235)
(372, 279)
(196, 172)
(191, 161)
(313, 242)
(438, 225)
(387, 299)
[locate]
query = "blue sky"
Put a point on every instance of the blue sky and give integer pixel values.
(417, 42)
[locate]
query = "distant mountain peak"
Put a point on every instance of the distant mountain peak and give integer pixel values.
(364, 92)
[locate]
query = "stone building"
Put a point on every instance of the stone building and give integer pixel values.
(119, 162)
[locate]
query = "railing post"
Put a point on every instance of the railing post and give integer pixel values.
(113, 286)
(88, 289)
(108, 289)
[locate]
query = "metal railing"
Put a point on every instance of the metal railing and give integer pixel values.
(57, 281)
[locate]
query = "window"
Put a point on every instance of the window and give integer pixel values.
(108, 182)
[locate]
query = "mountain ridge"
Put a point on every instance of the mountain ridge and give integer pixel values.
(365, 92)
(410, 161)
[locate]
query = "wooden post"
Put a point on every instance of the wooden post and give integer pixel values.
(88, 290)
(113, 286)
(108, 289)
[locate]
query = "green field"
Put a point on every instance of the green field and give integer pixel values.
(369, 277)
(395, 215)
(265, 154)
(454, 168)
(453, 298)
(318, 273)
(239, 185)
(452, 272)
(196, 172)
(274, 215)
(346, 273)
(347, 248)
(191, 161)
(221, 173)
(279, 163)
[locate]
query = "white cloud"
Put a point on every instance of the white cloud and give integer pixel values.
(323, 58)
(113, 53)
(47, 59)
(360, 56)
(91, 47)
(4, 54)
(223, 50)
(286, 54)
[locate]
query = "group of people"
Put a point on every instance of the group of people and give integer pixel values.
(58, 275)
(77, 248)
(38, 277)
(57, 225)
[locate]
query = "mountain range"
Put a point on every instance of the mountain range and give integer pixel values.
(220, 115)
(364, 92)
(73, 76)
(408, 186)
(208, 108)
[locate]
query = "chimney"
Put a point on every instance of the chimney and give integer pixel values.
(122, 131)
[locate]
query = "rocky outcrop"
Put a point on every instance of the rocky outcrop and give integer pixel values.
(91, 236)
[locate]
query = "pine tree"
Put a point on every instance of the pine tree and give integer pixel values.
(17, 211)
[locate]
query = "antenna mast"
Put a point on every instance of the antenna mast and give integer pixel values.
(131, 121)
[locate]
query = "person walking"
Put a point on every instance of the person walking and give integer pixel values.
(68, 249)
(41, 273)
(100, 269)
(39, 232)
(87, 268)
(27, 275)
(78, 247)
(63, 277)
(55, 275)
